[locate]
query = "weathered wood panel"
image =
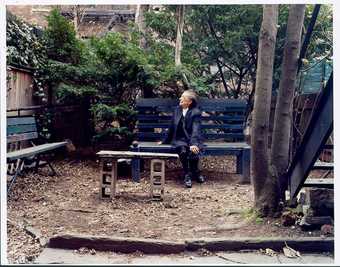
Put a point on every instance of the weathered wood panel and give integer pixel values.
(19, 90)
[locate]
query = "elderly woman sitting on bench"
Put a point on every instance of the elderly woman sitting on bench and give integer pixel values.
(185, 136)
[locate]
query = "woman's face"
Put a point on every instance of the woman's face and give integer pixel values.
(184, 101)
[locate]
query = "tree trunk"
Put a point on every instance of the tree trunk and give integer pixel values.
(222, 77)
(284, 104)
(264, 187)
(180, 25)
(140, 21)
(239, 85)
(78, 14)
(147, 91)
(75, 23)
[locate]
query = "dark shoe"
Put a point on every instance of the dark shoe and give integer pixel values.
(187, 181)
(200, 178)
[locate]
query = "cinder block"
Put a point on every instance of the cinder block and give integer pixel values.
(157, 179)
(108, 178)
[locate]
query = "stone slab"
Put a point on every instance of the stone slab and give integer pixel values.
(62, 256)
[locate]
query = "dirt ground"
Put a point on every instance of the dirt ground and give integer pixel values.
(70, 203)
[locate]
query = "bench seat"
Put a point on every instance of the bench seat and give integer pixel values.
(211, 148)
(33, 151)
(239, 149)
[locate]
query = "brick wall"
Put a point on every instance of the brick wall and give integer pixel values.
(36, 15)
(32, 14)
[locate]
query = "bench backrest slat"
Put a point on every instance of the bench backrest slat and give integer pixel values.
(21, 129)
(221, 118)
(230, 127)
(210, 136)
(167, 118)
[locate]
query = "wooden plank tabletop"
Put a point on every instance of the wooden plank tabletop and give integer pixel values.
(130, 154)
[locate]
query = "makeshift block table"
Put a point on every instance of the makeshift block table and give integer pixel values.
(108, 174)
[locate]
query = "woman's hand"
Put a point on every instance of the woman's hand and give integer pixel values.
(194, 149)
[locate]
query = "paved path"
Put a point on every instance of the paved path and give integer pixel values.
(61, 256)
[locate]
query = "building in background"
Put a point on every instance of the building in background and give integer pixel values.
(89, 20)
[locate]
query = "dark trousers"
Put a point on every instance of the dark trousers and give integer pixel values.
(188, 159)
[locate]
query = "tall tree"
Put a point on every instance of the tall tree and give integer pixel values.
(284, 104)
(140, 22)
(265, 187)
(147, 90)
(179, 33)
(78, 16)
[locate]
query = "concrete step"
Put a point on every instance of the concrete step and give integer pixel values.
(63, 256)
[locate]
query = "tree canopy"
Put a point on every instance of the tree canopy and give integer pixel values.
(218, 57)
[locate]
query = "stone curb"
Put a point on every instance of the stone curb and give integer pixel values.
(156, 246)
(117, 244)
(306, 244)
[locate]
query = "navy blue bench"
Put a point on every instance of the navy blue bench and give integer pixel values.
(223, 122)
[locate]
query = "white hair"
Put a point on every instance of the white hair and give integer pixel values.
(191, 94)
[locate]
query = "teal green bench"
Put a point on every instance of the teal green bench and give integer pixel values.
(24, 130)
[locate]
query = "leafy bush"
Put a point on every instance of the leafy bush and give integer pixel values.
(117, 121)
(70, 94)
(62, 44)
(26, 48)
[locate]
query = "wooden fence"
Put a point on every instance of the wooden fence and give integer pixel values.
(66, 122)
(19, 88)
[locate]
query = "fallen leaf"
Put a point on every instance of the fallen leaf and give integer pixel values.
(290, 253)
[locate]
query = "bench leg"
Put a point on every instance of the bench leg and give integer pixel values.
(53, 172)
(243, 166)
(135, 164)
(37, 161)
(17, 172)
(239, 163)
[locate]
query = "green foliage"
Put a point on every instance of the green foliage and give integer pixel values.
(122, 60)
(252, 215)
(115, 68)
(62, 44)
(44, 120)
(321, 44)
(227, 35)
(121, 113)
(70, 94)
(117, 121)
(163, 22)
(113, 134)
(25, 48)
(219, 34)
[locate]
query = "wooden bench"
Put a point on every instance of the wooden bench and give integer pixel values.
(20, 131)
(223, 122)
(108, 175)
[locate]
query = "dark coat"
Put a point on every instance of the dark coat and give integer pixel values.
(192, 122)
